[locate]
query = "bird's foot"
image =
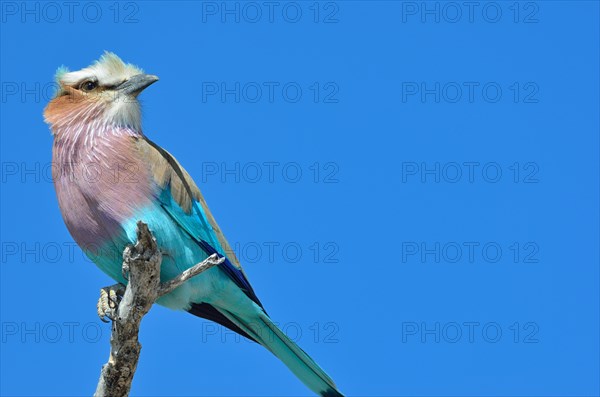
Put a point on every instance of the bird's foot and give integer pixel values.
(108, 303)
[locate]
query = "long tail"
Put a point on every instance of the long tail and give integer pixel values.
(264, 331)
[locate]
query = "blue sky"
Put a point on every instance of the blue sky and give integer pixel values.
(412, 188)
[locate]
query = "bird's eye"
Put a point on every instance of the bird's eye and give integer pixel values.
(88, 85)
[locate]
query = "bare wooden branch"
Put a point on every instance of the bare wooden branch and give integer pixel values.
(206, 264)
(142, 261)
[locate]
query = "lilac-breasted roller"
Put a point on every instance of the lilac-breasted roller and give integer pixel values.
(108, 175)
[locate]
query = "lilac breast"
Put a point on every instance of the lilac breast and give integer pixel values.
(100, 182)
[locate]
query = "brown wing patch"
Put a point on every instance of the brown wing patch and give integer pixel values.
(167, 170)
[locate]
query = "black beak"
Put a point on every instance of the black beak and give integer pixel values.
(136, 84)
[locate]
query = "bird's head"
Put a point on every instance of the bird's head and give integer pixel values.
(101, 95)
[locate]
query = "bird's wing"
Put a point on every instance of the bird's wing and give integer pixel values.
(184, 203)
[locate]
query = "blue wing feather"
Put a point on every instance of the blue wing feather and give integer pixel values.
(199, 229)
(195, 221)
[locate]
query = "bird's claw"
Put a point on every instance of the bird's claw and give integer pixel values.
(109, 300)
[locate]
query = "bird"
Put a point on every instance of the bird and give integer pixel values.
(108, 175)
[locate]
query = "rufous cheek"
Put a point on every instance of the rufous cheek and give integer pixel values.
(64, 108)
